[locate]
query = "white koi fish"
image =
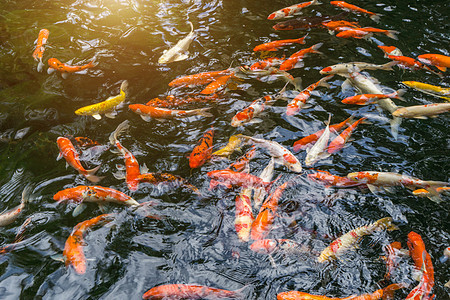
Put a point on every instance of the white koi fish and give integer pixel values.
(178, 52)
(11, 215)
(319, 150)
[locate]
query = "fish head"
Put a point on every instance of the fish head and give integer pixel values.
(400, 112)
(363, 177)
(326, 70)
(276, 15)
(53, 63)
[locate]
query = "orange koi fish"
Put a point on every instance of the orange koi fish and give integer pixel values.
(231, 178)
(349, 7)
(172, 101)
(378, 294)
(190, 291)
(275, 45)
(68, 151)
(393, 252)
(217, 84)
(306, 22)
(167, 178)
(11, 215)
(73, 249)
(389, 33)
(390, 50)
(291, 10)
(147, 112)
(442, 62)
(307, 141)
(242, 162)
(333, 180)
(349, 240)
(332, 25)
(131, 164)
(56, 65)
(267, 63)
(203, 150)
(372, 98)
(410, 63)
(270, 246)
(354, 33)
(243, 215)
(339, 142)
(96, 194)
(295, 60)
(85, 142)
(299, 101)
(39, 51)
(263, 222)
(198, 79)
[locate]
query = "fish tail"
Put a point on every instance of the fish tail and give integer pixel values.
(388, 66)
(192, 26)
(433, 193)
(398, 94)
(392, 34)
(395, 124)
(386, 223)
(122, 127)
(375, 17)
(388, 292)
(40, 66)
(323, 82)
(90, 175)
(315, 47)
(92, 63)
(302, 40)
(203, 112)
(124, 86)
(297, 83)
(316, 2)
(26, 194)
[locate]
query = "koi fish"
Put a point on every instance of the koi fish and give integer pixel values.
(333, 180)
(275, 45)
(442, 62)
(167, 178)
(248, 114)
(332, 25)
(131, 164)
(55, 65)
(73, 249)
(234, 143)
(202, 151)
(149, 112)
(296, 104)
(317, 152)
(266, 175)
(390, 50)
(339, 142)
(305, 142)
(295, 60)
(267, 63)
(422, 111)
(241, 164)
(39, 51)
(97, 194)
(270, 246)
(190, 291)
(306, 22)
(106, 107)
(198, 79)
(291, 10)
(263, 223)
(349, 240)
(172, 101)
(243, 216)
(389, 33)
(85, 142)
(410, 63)
(393, 252)
(217, 84)
(353, 8)
(296, 82)
(354, 33)
(231, 178)
(281, 155)
(11, 215)
(365, 99)
(378, 294)
(68, 151)
(429, 89)
(178, 52)
(359, 66)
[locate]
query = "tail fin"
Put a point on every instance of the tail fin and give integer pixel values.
(40, 66)
(395, 124)
(90, 175)
(388, 292)
(122, 127)
(315, 47)
(124, 86)
(92, 63)
(297, 82)
(302, 40)
(26, 194)
(398, 94)
(388, 66)
(316, 2)
(387, 223)
(323, 82)
(376, 17)
(203, 112)
(392, 34)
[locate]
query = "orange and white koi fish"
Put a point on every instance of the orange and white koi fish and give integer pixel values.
(331, 180)
(172, 101)
(391, 50)
(266, 216)
(295, 60)
(243, 216)
(167, 178)
(56, 65)
(389, 33)
(296, 104)
(198, 79)
(339, 142)
(270, 246)
(241, 164)
(39, 51)
(73, 249)
(248, 114)
(317, 151)
(307, 141)
(190, 291)
(349, 240)
(97, 194)
(291, 10)
(131, 164)
(410, 63)
(275, 45)
(393, 252)
(231, 178)
(68, 151)
(378, 294)
(11, 215)
(422, 111)
(353, 8)
(267, 63)
(281, 155)
(442, 62)
(354, 33)
(217, 84)
(365, 99)
(306, 22)
(266, 175)
(332, 25)
(203, 150)
(234, 143)
(148, 112)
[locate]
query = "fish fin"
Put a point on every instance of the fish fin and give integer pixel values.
(395, 124)
(297, 82)
(399, 94)
(143, 169)
(307, 106)
(67, 164)
(181, 57)
(59, 156)
(421, 118)
(119, 175)
(255, 121)
(146, 118)
(120, 167)
(374, 189)
(79, 209)
(315, 93)
(388, 66)
(315, 47)
(50, 71)
(91, 175)
(97, 116)
(388, 189)
(324, 155)
(376, 17)
(392, 34)
(57, 257)
(160, 120)
(346, 86)
(203, 112)
(299, 64)
(103, 208)
(65, 75)
(40, 67)
(443, 69)
(111, 115)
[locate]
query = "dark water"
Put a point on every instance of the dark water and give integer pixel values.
(192, 243)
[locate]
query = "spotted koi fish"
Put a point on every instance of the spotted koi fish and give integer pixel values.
(267, 63)
(167, 178)
(11, 215)
(73, 249)
(390, 50)
(217, 84)
(148, 112)
(353, 8)
(295, 60)
(389, 33)
(346, 68)
(355, 33)
(266, 175)
(349, 240)
(172, 101)
(291, 10)
(55, 65)
(203, 150)
(198, 79)
(243, 215)
(275, 45)
(331, 180)
(39, 51)
(189, 291)
(339, 142)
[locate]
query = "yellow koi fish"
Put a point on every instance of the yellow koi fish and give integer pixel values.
(106, 107)
(429, 89)
(233, 144)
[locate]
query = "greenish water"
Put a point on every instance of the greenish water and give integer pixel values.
(195, 241)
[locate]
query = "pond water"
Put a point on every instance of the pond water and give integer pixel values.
(194, 241)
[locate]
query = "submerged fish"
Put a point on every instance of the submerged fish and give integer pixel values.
(349, 7)
(178, 52)
(331, 180)
(167, 179)
(422, 111)
(148, 112)
(318, 152)
(291, 10)
(429, 89)
(39, 51)
(296, 59)
(202, 151)
(199, 78)
(56, 65)
(275, 45)
(442, 62)
(243, 216)
(11, 215)
(306, 22)
(190, 291)
(356, 66)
